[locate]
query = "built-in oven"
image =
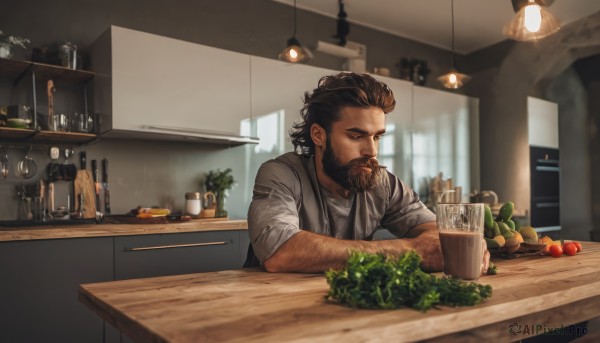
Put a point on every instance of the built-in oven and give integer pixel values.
(545, 188)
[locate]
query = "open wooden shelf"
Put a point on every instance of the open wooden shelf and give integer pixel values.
(14, 69)
(27, 136)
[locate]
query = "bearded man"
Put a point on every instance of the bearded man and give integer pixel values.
(311, 207)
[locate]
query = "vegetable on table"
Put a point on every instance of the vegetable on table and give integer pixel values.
(376, 281)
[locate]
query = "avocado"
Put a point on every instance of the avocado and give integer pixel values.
(506, 211)
(489, 219)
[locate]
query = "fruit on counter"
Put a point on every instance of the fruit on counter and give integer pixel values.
(152, 211)
(511, 224)
(496, 230)
(512, 244)
(517, 224)
(491, 243)
(156, 211)
(569, 248)
(518, 237)
(549, 242)
(529, 234)
(500, 239)
(504, 228)
(496, 242)
(508, 234)
(506, 211)
(556, 250)
(489, 219)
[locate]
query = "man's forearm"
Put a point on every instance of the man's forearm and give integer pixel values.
(309, 252)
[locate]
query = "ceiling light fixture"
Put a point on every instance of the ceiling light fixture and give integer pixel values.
(295, 52)
(453, 79)
(531, 21)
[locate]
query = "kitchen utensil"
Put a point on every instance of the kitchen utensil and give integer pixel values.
(84, 190)
(68, 153)
(4, 166)
(50, 89)
(51, 196)
(27, 167)
(97, 185)
(105, 185)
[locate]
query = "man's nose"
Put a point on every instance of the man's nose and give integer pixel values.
(370, 148)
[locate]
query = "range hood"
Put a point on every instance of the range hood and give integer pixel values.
(181, 134)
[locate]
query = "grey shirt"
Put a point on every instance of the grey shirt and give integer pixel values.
(287, 198)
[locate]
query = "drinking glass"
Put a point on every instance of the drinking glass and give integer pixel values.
(461, 234)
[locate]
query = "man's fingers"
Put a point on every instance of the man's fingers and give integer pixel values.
(486, 257)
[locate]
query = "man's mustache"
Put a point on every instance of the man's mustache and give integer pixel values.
(365, 162)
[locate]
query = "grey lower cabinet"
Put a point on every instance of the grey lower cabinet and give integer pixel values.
(181, 253)
(38, 289)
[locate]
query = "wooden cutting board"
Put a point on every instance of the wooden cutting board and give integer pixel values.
(84, 184)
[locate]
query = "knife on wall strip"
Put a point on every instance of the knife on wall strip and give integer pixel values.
(105, 186)
(97, 185)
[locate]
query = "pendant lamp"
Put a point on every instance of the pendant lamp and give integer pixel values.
(295, 52)
(453, 79)
(531, 21)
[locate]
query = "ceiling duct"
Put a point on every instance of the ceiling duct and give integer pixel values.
(355, 53)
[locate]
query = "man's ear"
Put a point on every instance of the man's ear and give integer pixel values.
(318, 135)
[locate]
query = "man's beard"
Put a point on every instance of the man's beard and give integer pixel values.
(352, 176)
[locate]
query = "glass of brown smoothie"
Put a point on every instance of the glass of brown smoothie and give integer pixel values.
(461, 234)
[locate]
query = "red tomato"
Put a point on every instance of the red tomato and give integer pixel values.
(578, 246)
(556, 250)
(569, 249)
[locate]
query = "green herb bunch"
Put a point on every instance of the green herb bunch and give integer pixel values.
(219, 181)
(376, 281)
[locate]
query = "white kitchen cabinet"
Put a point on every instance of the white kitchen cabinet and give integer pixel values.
(542, 123)
(155, 84)
(395, 148)
(445, 138)
(277, 93)
(278, 88)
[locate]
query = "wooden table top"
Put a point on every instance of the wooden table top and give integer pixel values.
(8, 234)
(531, 293)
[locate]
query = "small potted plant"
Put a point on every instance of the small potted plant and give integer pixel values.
(219, 182)
(7, 42)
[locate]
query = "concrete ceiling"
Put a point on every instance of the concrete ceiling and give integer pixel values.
(478, 23)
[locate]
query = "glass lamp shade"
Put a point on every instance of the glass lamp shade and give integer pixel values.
(295, 52)
(532, 22)
(453, 79)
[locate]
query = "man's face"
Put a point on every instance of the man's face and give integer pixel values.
(349, 157)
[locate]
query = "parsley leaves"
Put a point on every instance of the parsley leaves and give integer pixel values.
(375, 281)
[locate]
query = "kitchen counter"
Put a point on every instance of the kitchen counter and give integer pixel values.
(8, 234)
(529, 293)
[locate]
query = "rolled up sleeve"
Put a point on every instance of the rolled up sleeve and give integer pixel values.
(273, 214)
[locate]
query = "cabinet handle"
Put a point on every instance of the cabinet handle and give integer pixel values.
(549, 169)
(176, 246)
(203, 133)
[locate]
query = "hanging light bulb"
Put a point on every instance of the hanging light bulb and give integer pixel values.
(531, 22)
(295, 52)
(453, 79)
(533, 17)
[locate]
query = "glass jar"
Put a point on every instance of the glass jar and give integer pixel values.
(192, 203)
